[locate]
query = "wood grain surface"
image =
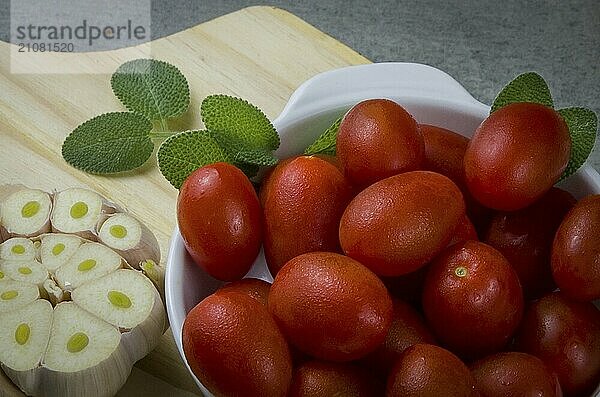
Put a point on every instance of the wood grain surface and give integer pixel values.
(261, 54)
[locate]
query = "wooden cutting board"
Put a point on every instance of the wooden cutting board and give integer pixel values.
(261, 54)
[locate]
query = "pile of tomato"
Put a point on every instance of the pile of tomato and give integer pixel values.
(415, 262)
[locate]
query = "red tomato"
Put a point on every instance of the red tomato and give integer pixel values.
(235, 348)
(472, 299)
(407, 329)
(377, 139)
(576, 251)
(397, 225)
(429, 371)
(514, 374)
(565, 335)
(516, 155)
(303, 200)
(219, 218)
(330, 306)
(326, 379)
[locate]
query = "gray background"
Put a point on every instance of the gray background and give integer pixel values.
(482, 44)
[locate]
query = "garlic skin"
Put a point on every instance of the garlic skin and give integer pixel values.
(129, 238)
(25, 212)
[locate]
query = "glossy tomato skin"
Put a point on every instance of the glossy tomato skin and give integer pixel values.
(525, 238)
(409, 287)
(397, 225)
(565, 335)
(516, 155)
(514, 374)
(330, 306)
(472, 299)
(253, 287)
(219, 218)
(235, 348)
(378, 138)
(425, 370)
(444, 153)
(325, 379)
(303, 200)
(407, 329)
(576, 251)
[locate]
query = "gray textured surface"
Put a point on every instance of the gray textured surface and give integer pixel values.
(483, 44)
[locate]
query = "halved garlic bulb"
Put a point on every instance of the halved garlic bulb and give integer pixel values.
(75, 316)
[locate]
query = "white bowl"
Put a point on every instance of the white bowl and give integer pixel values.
(430, 95)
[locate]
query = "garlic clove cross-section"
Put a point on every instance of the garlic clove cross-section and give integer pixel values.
(16, 294)
(123, 298)
(129, 301)
(90, 261)
(129, 237)
(25, 212)
(24, 335)
(156, 274)
(77, 211)
(27, 271)
(84, 356)
(18, 248)
(82, 338)
(57, 249)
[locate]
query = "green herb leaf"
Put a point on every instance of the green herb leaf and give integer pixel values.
(153, 88)
(182, 154)
(325, 143)
(259, 157)
(239, 153)
(247, 160)
(251, 127)
(527, 87)
(109, 143)
(583, 125)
